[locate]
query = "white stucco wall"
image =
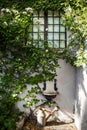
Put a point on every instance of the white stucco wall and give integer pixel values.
(81, 99)
(66, 87)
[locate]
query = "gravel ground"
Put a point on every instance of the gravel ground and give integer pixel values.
(70, 126)
(32, 125)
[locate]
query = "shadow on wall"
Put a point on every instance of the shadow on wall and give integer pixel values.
(81, 99)
(84, 116)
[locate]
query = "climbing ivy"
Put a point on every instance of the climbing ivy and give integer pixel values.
(42, 4)
(36, 4)
(74, 19)
(21, 62)
(76, 23)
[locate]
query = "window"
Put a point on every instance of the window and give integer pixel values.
(47, 26)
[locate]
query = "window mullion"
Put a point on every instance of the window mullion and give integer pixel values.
(59, 29)
(38, 28)
(45, 25)
(32, 30)
(53, 29)
(65, 37)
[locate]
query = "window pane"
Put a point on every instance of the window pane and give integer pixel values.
(35, 20)
(50, 20)
(56, 20)
(50, 44)
(30, 36)
(62, 29)
(41, 20)
(56, 44)
(41, 36)
(50, 36)
(41, 44)
(35, 28)
(56, 36)
(62, 36)
(50, 28)
(41, 28)
(36, 44)
(56, 28)
(61, 21)
(35, 36)
(62, 44)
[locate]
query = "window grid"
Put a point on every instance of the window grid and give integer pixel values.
(57, 30)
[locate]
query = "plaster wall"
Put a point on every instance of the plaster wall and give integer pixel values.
(66, 88)
(81, 99)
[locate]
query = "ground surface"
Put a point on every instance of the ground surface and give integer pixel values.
(32, 125)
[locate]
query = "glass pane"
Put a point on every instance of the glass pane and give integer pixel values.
(50, 44)
(41, 36)
(50, 20)
(30, 36)
(62, 44)
(41, 20)
(62, 29)
(35, 28)
(62, 36)
(50, 28)
(61, 21)
(36, 20)
(50, 36)
(56, 20)
(41, 44)
(41, 28)
(56, 28)
(35, 36)
(56, 36)
(36, 44)
(56, 44)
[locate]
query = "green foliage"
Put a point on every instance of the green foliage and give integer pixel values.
(31, 96)
(75, 19)
(8, 114)
(36, 4)
(21, 62)
(81, 57)
(42, 4)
